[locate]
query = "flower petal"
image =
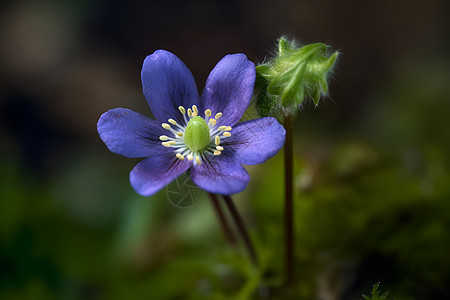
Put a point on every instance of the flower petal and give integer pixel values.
(229, 88)
(220, 175)
(130, 134)
(155, 172)
(167, 83)
(255, 141)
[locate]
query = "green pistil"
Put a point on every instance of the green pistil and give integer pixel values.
(196, 134)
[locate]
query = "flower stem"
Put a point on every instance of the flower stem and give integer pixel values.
(241, 227)
(222, 220)
(288, 217)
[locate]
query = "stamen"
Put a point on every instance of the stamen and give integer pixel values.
(181, 149)
(194, 110)
(225, 128)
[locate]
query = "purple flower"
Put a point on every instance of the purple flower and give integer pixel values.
(192, 132)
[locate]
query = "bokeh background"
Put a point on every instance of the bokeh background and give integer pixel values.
(372, 166)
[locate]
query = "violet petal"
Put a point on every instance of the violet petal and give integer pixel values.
(155, 172)
(220, 175)
(255, 141)
(130, 134)
(167, 83)
(229, 88)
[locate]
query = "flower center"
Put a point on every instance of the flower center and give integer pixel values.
(196, 134)
(196, 137)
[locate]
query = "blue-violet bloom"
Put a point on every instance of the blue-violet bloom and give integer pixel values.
(192, 132)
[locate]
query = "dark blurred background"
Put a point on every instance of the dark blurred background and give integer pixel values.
(372, 164)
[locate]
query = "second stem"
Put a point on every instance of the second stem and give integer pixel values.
(241, 227)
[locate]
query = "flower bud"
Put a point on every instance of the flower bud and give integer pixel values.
(294, 75)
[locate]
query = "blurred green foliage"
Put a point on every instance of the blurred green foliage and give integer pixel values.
(372, 205)
(375, 294)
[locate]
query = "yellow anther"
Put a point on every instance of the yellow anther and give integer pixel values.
(190, 157)
(212, 121)
(227, 134)
(163, 138)
(208, 113)
(194, 110)
(197, 159)
(180, 156)
(165, 126)
(181, 109)
(172, 121)
(218, 115)
(222, 127)
(165, 144)
(227, 128)
(171, 142)
(220, 148)
(217, 152)
(190, 113)
(217, 140)
(179, 133)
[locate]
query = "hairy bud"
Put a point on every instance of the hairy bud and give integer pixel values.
(294, 75)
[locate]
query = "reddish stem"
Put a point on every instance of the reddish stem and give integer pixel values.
(222, 220)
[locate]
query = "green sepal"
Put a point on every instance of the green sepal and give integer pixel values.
(284, 46)
(263, 70)
(265, 102)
